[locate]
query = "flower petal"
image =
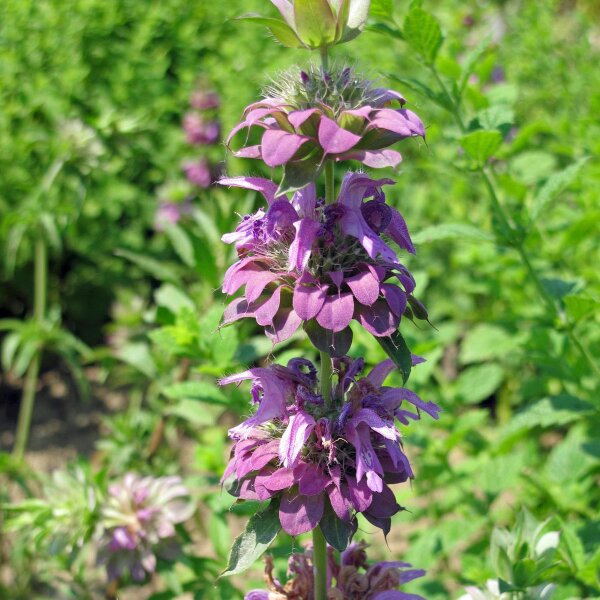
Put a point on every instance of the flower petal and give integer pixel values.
(265, 186)
(301, 248)
(294, 437)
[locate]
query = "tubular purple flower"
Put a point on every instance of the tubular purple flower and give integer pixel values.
(200, 133)
(300, 260)
(322, 460)
(199, 172)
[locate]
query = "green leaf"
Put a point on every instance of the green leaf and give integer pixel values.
(580, 307)
(423, 33)
(24, 357)
(172, 298)
(335, 344)
(470, 61)
(395, 347)
(150, 265)
(297, 174)
(201, 391)
(481, 145)
(572, 548)
(181, 244)
(477, 383)
(9, 348)
(553, 187)
(498, 117)
(548, 412)
(449, 231)
(138, 355)
(338, 533)
(250, 545)
(280, 29)
(315, 22)
(420, 88)
(558, 288)
(383, 9)
(485, 342)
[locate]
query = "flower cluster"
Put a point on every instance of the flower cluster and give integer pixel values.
(323, 460)
(311, 116)
(139, 524)
(350, 578)
(202, 131)
(301, 260)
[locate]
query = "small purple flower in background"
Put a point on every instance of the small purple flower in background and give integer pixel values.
(199, 172)
(170, 213)
(139, 524)
(308, 117)
(351, 578)
(199, 132)
(300, 260)
(323, 460)
(203, 99)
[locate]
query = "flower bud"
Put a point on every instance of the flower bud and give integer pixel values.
(315, 24)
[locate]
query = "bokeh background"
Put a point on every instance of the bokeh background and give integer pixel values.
(93, 96)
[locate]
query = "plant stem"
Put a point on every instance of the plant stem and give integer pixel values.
(40, 278)
(326, 372)
(516, 242)
(324, 58)
(319, 564)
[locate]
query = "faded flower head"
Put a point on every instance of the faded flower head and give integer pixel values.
(311, 116)
(301, 260)
(316, 23)
(350, 577)
(324, 463)
(492, 592)
(139, 523)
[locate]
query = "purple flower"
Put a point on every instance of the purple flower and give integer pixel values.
(314, 116)
(315, 457)
(170, 213)
(349, 580)
(300, 260)
(200, 133)
(205, 100)
(199, 172)
(139, 524)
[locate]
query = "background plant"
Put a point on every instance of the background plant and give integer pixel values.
(519, 404)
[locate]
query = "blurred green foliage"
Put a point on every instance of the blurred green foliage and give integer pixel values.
(520, 399)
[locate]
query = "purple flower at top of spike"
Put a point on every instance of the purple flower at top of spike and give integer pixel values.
(323, 461)
(349, 579)
(309, 117)
(300, 260)
(139, 524)
(199, 132)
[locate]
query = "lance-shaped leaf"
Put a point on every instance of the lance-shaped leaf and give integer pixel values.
(280, 30)
(250, 545)
(395, 347)
(423, 33)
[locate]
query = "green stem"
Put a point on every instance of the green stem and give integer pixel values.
(319, 564)
(326, 373)
(324, 58)
(40, 279)
(516, 242)
(329, 182)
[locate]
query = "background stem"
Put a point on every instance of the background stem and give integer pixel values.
(40, 277)
(326, 372)
(320, 564)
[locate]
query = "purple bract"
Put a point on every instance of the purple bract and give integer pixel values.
(300, 260)
(323, 461)
(310, 117)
